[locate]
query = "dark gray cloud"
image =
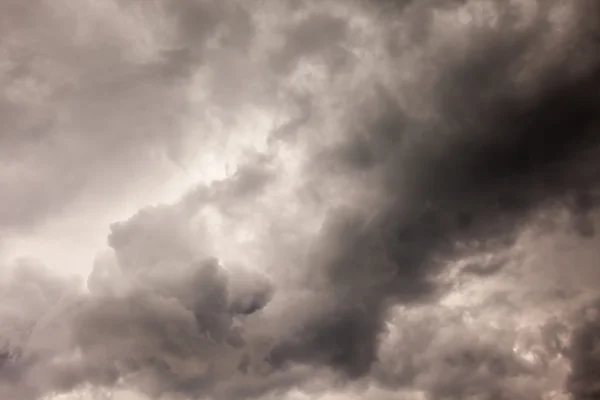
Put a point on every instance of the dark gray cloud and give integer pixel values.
(491, 156)
(584, 357)
(412, 142)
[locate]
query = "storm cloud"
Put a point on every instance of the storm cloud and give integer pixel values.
(384, 198)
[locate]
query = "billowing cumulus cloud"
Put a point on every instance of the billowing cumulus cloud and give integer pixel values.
(386, 198)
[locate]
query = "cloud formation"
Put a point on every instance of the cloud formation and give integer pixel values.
(411, 182)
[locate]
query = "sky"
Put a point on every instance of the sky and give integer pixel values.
(299, 199)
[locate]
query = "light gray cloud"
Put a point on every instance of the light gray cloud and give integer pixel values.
(96, 97)
(410, 154)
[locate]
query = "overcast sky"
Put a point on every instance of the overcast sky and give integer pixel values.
(311, 199)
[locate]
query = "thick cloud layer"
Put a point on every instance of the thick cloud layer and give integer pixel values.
(412, 211)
